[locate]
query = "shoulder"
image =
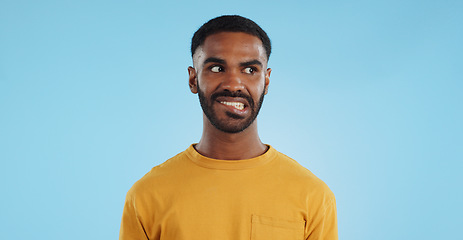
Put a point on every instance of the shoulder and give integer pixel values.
(301, 177)
(158, 176)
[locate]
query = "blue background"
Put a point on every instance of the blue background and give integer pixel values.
(365, 94)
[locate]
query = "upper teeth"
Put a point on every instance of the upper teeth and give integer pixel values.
(237, 105)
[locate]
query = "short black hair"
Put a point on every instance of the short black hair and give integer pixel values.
(230, 23)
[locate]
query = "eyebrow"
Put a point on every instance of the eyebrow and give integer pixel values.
(215, 60)
(252, 62)
(221, 61)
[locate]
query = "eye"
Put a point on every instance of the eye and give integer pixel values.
(249, 70)
(216, 69)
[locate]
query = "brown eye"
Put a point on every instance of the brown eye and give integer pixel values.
(216, 69)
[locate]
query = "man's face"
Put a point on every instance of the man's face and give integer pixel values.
(231, 78)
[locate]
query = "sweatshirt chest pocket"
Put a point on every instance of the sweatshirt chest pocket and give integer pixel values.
(269, 228)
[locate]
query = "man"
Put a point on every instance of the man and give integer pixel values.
(229, 185)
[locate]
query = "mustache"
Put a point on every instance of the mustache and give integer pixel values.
(233, 94)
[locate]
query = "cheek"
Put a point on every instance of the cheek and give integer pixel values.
(204, 83)
(258, 85)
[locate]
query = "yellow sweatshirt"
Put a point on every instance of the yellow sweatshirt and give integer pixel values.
(191, 197)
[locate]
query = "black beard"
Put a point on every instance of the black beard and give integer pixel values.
(206, 105)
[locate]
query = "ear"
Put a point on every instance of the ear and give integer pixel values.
(192, 80)
(267, 79)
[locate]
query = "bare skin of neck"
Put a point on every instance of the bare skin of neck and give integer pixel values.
(230, 146)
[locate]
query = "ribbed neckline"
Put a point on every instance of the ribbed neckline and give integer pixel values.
(206, 162)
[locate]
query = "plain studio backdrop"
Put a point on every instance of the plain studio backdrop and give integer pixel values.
(365, 94)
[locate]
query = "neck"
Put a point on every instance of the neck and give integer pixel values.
(230, 146)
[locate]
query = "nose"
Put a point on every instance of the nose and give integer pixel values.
(233, 82)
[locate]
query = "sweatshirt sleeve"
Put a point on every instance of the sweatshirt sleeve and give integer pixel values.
(131, 225)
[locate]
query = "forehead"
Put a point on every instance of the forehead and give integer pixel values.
(231, 45)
